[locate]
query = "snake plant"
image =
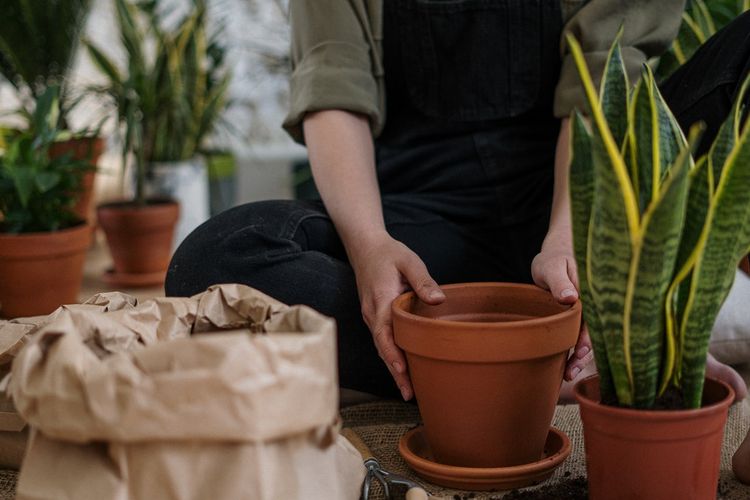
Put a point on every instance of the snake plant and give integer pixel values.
(657, 235)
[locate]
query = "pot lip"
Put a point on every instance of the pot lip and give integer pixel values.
(658, 415)
(80, 227)
(130, 205)
(398, 309)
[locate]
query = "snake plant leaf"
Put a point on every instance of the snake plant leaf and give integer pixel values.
(721, 245)
(613, 228)
(102, 62)
(656, 140)
(728, 134)
(609, 254)
(581, 197)
(614, 92)
(651, 270)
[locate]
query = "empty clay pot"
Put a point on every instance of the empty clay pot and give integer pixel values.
(41, 271)
(650, 454)
(139, 237)
(486, 366)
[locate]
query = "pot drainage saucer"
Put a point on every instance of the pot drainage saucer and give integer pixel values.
(133, 280)
(416, 452)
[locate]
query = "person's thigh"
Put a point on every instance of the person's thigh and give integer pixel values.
(704, 88)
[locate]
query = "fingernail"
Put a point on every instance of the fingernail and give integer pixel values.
(568, 292)
(575, 372)
(397, 366)
(583, 351)
(405, 393)
(436, 295)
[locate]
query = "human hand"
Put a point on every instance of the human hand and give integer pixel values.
(554, 269)
(385, 268)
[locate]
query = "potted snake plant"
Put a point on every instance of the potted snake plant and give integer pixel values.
(169, 97)
(657, 237)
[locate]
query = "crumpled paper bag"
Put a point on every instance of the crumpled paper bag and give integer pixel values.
(229, 394)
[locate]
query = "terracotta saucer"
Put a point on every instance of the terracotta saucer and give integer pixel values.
(133, 280)
(414, 449)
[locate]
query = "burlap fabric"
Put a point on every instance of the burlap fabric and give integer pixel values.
(381, 425)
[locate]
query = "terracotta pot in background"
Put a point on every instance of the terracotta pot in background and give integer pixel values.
(650, 454)
(82, 148)
(41, 271)
(486, 366)
(139, 238)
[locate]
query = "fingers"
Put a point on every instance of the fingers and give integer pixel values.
(558, 275)
(716, 369)
(378, 318)
(420, 281)
(581, 357)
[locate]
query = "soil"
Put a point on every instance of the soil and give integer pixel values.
(672, 399)
(569, 489)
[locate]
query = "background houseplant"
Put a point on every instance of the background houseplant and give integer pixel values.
(38, 43)
(42, 242)
(700, 22)
(168, 99)
(657, 239)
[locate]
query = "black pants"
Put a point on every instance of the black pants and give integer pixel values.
(457, 221)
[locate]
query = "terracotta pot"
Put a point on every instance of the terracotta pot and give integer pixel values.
(82, 148)
(650, 454)
(486, 366)
(139, 238)
(41, 271)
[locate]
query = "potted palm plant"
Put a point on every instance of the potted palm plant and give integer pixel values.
(657, 239)
(42, 241)
(38, 43)
(168, 99)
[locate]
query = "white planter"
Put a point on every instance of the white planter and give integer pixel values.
(186, 182)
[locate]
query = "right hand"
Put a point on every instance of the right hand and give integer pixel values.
(385, 268)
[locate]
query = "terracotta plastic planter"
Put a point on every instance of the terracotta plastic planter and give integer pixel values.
(41, 271)
(649, 454)
(486, 365)
(82, 148)
(139, 239)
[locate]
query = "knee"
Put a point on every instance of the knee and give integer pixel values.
(225, 246)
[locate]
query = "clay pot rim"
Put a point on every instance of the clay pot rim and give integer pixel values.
(398, 309)
(656, 415)
(129, 204)
(80, 226)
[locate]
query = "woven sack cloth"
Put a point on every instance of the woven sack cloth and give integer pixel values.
(228, 394)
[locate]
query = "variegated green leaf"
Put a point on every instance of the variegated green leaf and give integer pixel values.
(720, 246)
(613, 227)
(581, 198)
(728, 134)
(614, 90)
(651, 270)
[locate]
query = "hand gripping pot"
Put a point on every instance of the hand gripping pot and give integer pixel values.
(228, 394)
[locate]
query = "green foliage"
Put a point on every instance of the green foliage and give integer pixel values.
(38, 41)
(168, 99)
(700, 21)
(38, 193)
(657, 236)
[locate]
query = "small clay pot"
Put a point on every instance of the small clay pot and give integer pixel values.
(41, 271)
(486, 366)
(82, 149)
(652, 454)
(139, 237)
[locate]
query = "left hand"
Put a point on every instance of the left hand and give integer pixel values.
(554, 269)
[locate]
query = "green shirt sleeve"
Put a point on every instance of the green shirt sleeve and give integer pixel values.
(333, 66)
(649, 28)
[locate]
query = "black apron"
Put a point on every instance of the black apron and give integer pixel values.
(469, 125)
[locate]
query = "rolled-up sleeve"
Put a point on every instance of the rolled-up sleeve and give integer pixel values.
(332, 64)
(649, 27)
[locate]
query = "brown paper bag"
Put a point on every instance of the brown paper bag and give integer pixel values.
(229, 394)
